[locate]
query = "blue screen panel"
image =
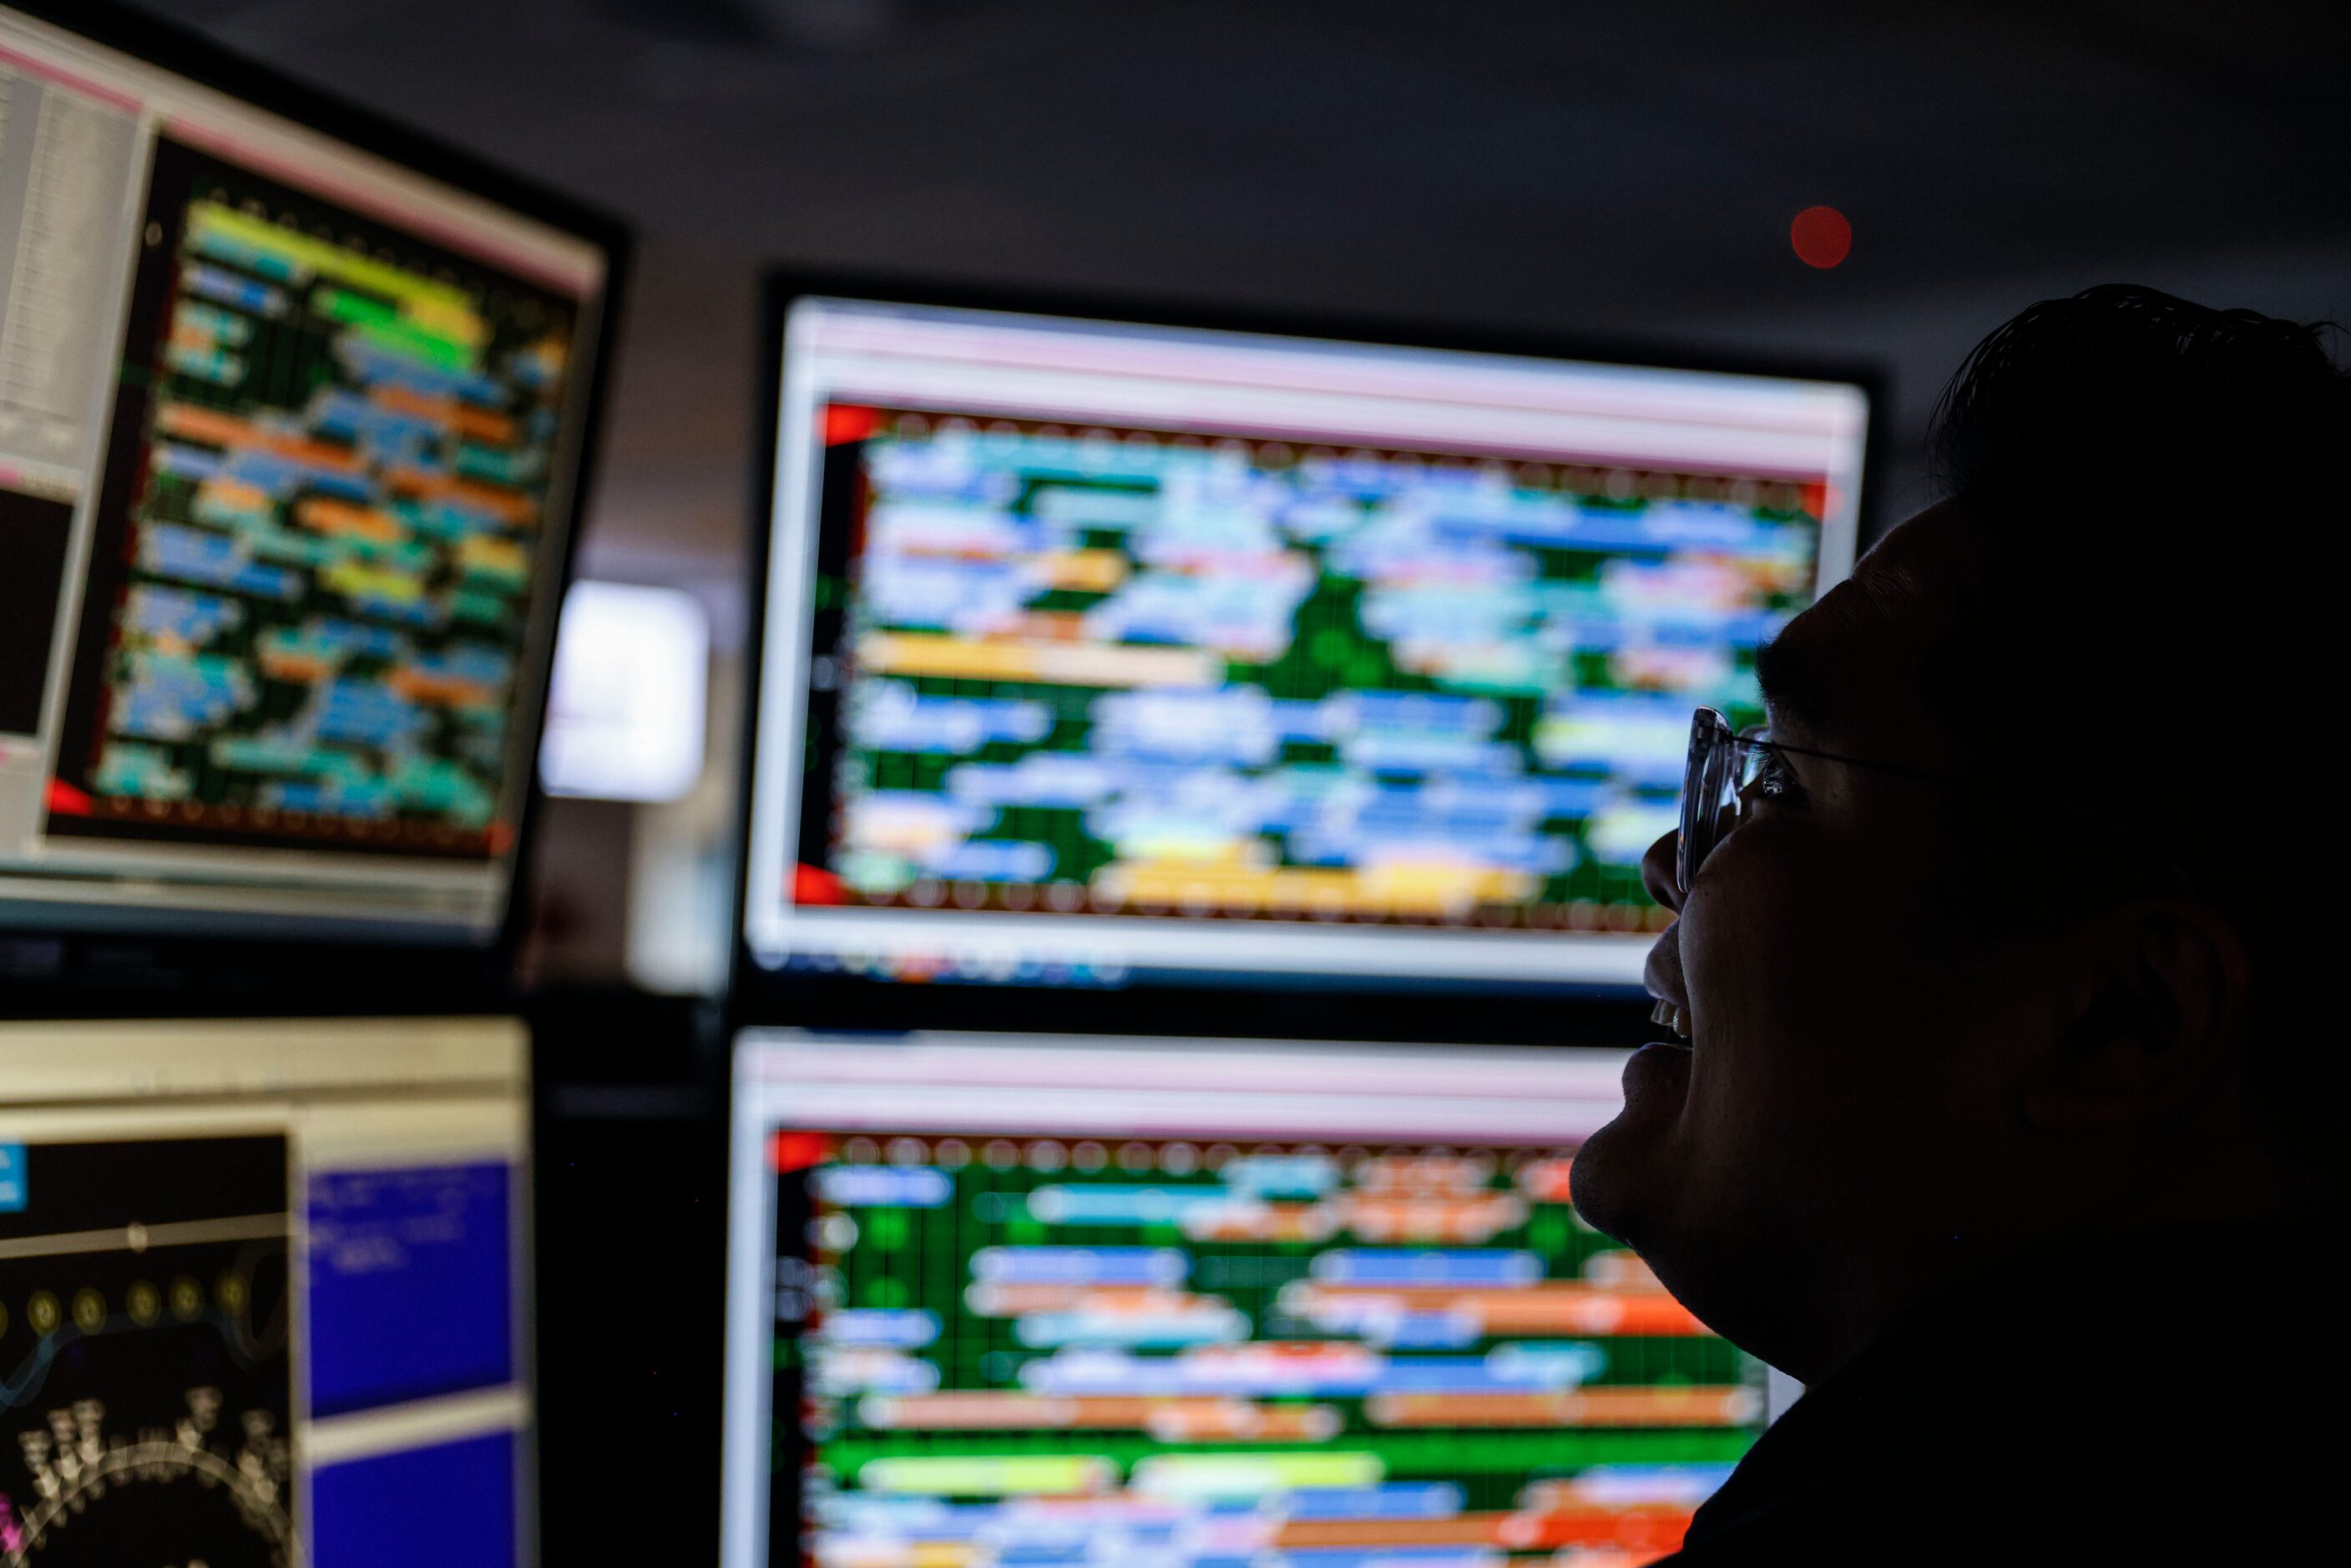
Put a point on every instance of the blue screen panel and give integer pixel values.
(451, 1506)
(411, 1284)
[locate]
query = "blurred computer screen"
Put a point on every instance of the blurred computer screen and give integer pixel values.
(263, 1288)
(1097, 652)
(288, 438)
(1008, 1298)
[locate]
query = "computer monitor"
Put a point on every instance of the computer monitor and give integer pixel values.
(292, 411)
(264, 1294)
(1102, 651)
(1010, 1298)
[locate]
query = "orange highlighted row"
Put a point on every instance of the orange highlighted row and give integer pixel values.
(1545, 1181)
(1260, 1222)
(440, 691)
(991, 1299)
(1552, 1307)
(295, 668)
(1044, 660)
(1619, 1270)
(509, 506)
(1409, 1217)
(221, 494)
(1043, 626)
(1633, 1406)
(1438, 1172)
(344, 519)
(1642, 1527)
(482, 425)
(191, 422)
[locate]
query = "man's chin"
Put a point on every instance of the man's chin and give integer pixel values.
(1657, 1079)
(1625, 1168)
(1618, 1183)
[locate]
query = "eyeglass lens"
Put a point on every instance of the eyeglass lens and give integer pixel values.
(1714, 782)
(1702, 777)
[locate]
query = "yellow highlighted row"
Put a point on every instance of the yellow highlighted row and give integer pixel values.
(1084, 571)
(1405, 888)
(362, 581)
(428, 303)
(1028, 660)
(1160, 1474)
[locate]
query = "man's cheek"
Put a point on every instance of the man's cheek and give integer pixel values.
(1745, 946)
(1785, 988)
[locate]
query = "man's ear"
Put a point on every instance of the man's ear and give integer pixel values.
(2156, 1013)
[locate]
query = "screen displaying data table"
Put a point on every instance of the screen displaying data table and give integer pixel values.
(1098, 651)
(994, 1300)
(290, 436)
(331, 523)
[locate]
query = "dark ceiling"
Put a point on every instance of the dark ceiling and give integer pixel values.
(1628, 169)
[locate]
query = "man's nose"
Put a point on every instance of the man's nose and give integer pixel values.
(1659, 871)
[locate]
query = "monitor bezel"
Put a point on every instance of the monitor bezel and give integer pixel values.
(75, 966)
(1436, 1011)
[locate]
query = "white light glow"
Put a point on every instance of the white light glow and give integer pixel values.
(625, 717)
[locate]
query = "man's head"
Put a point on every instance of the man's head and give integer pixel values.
(2026, 963)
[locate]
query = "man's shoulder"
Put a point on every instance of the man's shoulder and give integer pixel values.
(2203, 1427)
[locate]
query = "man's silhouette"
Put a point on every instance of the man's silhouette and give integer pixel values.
(2010, 1111)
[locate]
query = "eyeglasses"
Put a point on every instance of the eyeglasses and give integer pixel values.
(1719, 783)
(1724, 766)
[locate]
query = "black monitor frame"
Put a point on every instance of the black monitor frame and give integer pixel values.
(1599, 1015)
(127, 969)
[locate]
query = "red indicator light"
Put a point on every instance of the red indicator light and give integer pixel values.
(789, 1152)
(814, 884)
(1821, 236)
(842, 423)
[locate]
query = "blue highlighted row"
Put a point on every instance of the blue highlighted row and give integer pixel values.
(883, 1187)
(1491, 1266)
(1080, 1265)
(194, 555)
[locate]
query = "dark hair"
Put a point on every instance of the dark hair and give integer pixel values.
(2155, 643)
